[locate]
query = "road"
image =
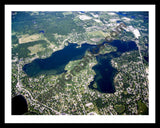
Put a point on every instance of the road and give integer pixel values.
(20, 88)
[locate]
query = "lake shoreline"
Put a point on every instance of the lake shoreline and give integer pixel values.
(59, 59)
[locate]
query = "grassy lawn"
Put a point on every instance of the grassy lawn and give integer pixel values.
(142, 108)
(119, 108)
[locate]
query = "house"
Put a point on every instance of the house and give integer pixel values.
(89, 104)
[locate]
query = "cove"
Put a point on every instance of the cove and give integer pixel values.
(105, 73)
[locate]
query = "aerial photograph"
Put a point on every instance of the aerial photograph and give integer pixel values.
(80, 62)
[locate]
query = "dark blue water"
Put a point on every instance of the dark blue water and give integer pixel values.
(57, 61)
(104, 71)
(104, 74)
(41, 31)
(118, 21)
(82, 11)
(19, 105)
(121, 13)
(134, 15)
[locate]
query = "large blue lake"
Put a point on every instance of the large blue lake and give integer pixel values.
(56, 63)
(105, 73)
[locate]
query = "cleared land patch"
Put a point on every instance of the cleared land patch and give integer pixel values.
(96, 34)
(29, 38)
(36, 48)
